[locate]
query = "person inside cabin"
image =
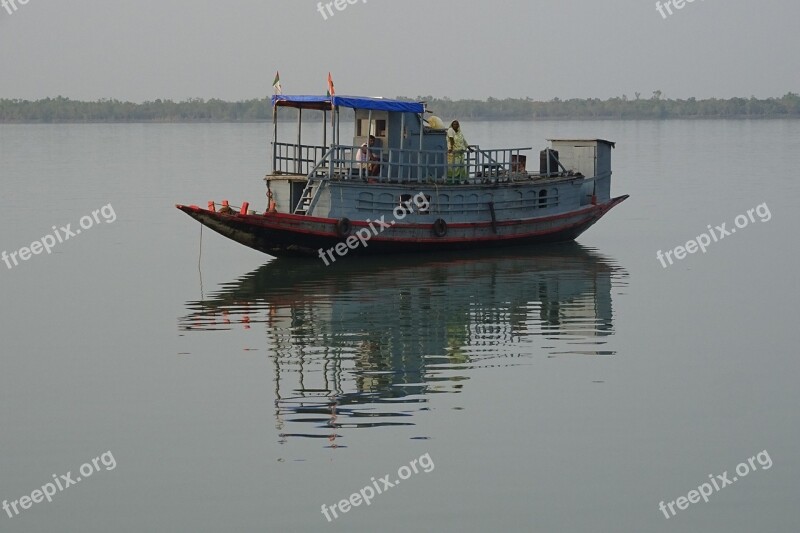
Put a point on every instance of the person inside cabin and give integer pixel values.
(366, 158)
(456, 147)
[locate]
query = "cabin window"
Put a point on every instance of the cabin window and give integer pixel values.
(377, 127)
(553, 197)
(386, 201)
(365, 201)
(543, 198)
(531, 199)
(457, 205)
(425, 208)
(410, 205)
(405, 199)
(472, 203)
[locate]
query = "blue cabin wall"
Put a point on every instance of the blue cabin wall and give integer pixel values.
(432, 141)
(453, 204)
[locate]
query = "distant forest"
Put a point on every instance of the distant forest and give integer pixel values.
(60, 109)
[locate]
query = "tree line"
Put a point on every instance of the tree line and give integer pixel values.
(655, 107)
(60, 109)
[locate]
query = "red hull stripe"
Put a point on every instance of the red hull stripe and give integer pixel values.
(291, 223)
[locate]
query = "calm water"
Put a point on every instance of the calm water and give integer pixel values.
(564, 388)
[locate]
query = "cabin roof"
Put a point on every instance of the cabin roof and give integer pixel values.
(302, 101)
(378, 104)
(353, 102)
(611, 143)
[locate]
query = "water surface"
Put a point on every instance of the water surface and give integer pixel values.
(565, 388)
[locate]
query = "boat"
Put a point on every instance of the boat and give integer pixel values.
(394, 187)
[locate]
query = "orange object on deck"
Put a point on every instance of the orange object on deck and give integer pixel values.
(211, 206)
(245, 206)
(225, 209)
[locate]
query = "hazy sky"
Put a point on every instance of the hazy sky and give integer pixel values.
(147, 49)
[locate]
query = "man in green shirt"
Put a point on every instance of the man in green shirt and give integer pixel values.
(456, 146)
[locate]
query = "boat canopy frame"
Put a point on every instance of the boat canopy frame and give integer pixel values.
(353, 102)
(299, 153)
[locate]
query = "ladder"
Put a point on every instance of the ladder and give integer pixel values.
(307, 199)
(313, 186)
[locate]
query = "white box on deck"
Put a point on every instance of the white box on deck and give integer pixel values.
(590, 157)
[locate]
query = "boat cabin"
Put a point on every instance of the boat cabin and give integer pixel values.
(406, 148)
(393, 144)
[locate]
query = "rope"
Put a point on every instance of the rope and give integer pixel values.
(199, 258)
(236, 207)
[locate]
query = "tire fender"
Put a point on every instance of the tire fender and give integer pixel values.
(344, 227)
(440, 228)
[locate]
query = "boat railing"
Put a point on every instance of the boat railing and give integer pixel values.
(395, 165)
(292, 158)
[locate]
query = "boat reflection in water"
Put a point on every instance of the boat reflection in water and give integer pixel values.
(366, 341)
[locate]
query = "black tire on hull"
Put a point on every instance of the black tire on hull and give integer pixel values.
(440, 228)
(344, 227)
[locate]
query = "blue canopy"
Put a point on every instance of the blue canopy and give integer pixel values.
(302, 101)
(354, 102)
(378, 104)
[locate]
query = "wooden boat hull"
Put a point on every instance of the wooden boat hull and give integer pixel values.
(283, 234)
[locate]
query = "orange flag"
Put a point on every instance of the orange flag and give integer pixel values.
(331, 93)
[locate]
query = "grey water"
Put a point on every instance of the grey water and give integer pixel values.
(560, 388)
